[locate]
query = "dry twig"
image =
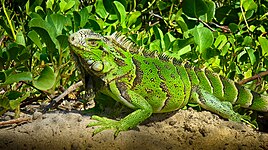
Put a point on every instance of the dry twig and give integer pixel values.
(69, 90)
(257, 76)
(16, 121)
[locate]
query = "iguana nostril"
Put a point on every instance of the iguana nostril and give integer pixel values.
(72, 39)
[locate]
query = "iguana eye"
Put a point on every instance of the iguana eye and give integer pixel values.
(92, 43)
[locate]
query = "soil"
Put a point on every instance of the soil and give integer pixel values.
(185, 129)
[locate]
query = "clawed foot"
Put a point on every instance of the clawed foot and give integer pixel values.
(106, 123)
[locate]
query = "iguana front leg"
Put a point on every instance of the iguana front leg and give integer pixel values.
(209, 102)
(143, 111)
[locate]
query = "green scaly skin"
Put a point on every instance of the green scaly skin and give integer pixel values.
(150, 83)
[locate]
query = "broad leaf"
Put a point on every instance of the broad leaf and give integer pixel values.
(133, 17)
(16, 102)
(100, 9)
(23, 76)
(210, 12)
(20, 39)
(194, 8)
(46, 79)
(121, 13)
(203, 37)
(46, 32)
(34, 37)
(264, 45)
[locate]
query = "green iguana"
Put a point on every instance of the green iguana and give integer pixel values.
(150, 83)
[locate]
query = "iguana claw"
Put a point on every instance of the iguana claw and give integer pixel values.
(106, 123)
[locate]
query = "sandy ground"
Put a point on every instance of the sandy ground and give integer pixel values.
(185, 129)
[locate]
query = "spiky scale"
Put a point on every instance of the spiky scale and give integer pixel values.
(244, 98)
(181, 70)
(204, 81)
(230, 90)
(216, 84)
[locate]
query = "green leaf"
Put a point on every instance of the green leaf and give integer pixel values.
(233, 27)
(63, 40)
(225, 49)
(23, 76)
(220, 41)
(49, 4)
(168, 40)
(133, 17)
(194, 8)
(162, 5)
(46, 80)
(100, 9)
(58, 21)
(20, 39)
(184, 50)
(182, 43)
(46, 32)
(121, 13)
(5, 27)
(16, 103)
(159, 36)
(12, 95)
(264, 45)
(247, 41)
(181, 22)
(249, 5)
(210, 12)
(84, 16)
(239, 56)
(4, 102)
(203, 37)
(34, 37)
(64, 6)
(93, 24)
(69, 5)
(251, 56)
(155, 46)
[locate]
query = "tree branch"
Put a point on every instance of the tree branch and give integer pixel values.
(262, 74)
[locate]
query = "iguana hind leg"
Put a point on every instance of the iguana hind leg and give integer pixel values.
(143, 111)
(209, 102)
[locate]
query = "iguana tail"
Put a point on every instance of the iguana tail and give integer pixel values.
(259, 102)
(227, 90)
(250, 99)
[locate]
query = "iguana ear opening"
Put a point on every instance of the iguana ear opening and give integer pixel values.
(97, 66)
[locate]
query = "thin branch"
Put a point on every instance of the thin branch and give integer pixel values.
(57, 99)
(244, 17)
(206, 25)
(257, 76)
(15, 121)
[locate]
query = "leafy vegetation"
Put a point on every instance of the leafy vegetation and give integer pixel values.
(228, 37)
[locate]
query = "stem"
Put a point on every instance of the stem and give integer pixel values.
(150, 5)
(8, 20)
(244, 17)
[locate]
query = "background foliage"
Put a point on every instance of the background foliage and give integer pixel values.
(228, 37)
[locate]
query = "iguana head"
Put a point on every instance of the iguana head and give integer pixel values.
(99, 55)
